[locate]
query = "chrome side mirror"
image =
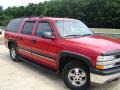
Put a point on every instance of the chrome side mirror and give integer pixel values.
(48, 35)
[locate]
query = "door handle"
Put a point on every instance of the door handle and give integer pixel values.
(34, 41)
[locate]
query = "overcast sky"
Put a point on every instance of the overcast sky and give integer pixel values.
(6, 3)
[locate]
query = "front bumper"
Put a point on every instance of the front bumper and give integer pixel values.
(104, 76)
(99, 79)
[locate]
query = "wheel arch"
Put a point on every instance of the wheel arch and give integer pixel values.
(65, 55)
(11, 42)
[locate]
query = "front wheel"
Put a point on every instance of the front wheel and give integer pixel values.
(76, 76)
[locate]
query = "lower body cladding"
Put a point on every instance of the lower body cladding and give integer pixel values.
(104, 76)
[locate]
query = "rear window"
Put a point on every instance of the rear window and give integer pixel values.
(14, 25)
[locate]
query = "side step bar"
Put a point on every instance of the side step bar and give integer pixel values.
(39, 66)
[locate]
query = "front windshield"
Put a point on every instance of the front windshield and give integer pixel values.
(70, 28)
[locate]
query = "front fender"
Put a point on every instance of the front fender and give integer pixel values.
(80, 57)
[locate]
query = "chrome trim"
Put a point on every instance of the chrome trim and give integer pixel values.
(99, 79)
(43, 57)
(24, 50)
(37, 55)
(108, 62)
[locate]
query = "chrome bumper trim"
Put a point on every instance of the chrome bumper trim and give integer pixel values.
(99, 79)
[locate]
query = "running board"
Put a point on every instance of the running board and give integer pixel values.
(39, 66)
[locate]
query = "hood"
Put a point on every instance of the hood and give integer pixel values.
(101, 43)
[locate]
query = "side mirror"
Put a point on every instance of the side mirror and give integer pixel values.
(48, 35)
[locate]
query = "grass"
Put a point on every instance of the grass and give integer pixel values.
(107, 31)
(2, 27)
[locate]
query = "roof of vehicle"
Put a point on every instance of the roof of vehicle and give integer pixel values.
(47, 18)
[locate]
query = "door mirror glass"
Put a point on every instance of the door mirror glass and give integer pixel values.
(48, 35)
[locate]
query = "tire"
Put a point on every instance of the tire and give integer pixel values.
(76, 76)
(14, 53)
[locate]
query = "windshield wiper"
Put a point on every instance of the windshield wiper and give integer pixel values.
(86, 35)
(72, 35)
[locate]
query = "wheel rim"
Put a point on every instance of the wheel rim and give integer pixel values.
(13, 53)
(77, 77)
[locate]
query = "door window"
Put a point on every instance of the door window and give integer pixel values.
(28, 27)
(43, 27)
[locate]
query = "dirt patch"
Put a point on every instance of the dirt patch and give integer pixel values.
(1, 40)
(2, 37)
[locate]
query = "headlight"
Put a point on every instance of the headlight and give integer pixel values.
(105, 62)
(105, 58)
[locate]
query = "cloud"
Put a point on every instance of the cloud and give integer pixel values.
(11, 3)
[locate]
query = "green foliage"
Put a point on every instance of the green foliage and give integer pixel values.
(95, 13)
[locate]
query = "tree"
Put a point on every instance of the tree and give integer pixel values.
(1, 14)
(95, 13)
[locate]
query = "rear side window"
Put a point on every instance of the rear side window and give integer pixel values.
(14, 25)
(28, 27)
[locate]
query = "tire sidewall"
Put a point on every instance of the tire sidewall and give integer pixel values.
(66, 70)
(16, 51)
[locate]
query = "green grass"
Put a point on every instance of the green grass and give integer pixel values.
(109, 31)
(105, 30)
(2, 27)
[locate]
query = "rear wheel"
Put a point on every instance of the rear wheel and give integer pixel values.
(76, 76)
(14, 53)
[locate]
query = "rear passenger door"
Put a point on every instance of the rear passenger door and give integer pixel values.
(25, 38)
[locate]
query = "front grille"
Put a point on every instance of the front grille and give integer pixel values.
(117, 56)
(117, 64)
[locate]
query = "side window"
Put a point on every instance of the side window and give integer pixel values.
(28, 27)
(14, 25)
(43, 27)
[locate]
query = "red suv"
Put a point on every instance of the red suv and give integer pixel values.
(65, 45)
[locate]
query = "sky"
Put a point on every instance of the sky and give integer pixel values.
(10, 3)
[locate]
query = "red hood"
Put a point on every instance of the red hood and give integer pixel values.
(103, 44)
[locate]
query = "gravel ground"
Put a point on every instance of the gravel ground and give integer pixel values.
(22, 76)
(1, 37)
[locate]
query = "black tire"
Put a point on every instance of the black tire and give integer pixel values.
(15, 58)
(71, 66)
